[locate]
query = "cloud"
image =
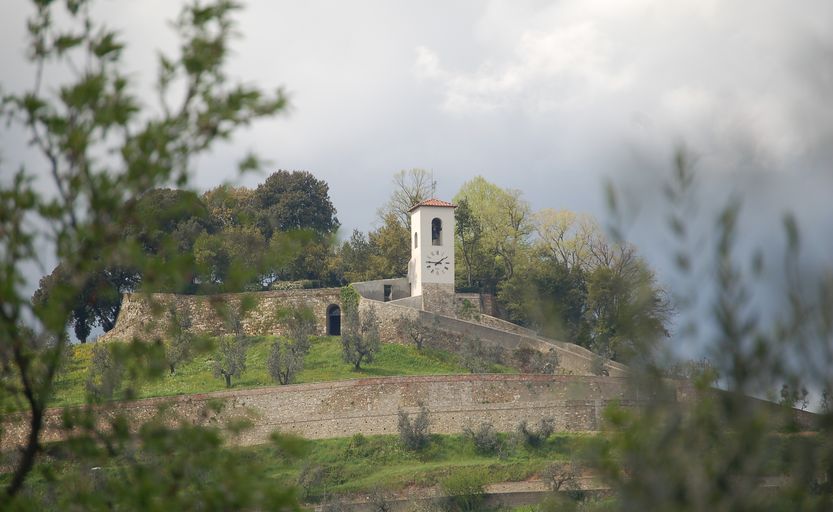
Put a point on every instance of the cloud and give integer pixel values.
(548, 71)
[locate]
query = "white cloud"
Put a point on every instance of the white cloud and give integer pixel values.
(548, 70)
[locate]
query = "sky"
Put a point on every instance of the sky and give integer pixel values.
(552, 98)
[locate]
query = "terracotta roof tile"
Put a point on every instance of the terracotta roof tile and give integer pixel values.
(432, 202)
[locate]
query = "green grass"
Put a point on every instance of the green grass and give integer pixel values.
(323, 363)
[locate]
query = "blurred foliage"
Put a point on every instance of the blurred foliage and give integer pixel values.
(722, 449)
(98, 201)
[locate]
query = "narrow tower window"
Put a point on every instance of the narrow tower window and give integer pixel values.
(436, 231)
(416, 240)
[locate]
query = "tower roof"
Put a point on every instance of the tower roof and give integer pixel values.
(432, 202)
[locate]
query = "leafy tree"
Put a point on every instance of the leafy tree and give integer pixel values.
(160, 213)
(568, 238)
(384, 253)
(230, 206)
(230, 258)
(230, 358)
(297, 255)
(295, 200)
(505, 225)
(549, 297)
(360, 342)
(96, 303)
(391, 250)
(469, 232)
(355, 257)
(102, 150)
(625, 309)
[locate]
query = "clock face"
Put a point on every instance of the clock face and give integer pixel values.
(437, 262)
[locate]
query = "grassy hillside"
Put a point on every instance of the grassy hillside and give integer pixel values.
(322, 364)
(365, 463)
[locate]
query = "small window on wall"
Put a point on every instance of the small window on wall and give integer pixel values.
(416, 240)
(436, 232)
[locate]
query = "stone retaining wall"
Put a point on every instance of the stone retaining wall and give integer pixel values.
(370, 406)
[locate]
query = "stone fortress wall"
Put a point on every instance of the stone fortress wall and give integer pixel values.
(370, 406)
(150, 315)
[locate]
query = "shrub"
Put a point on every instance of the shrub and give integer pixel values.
(536, 437)
(476, 356)
(485, 438)
(417, 332)
(465, 489)
(379, 501)
(468, 311)
(310, 477)
(530, 360)
(414, 435)
(561, 477)
(597, 367)
(334, 505)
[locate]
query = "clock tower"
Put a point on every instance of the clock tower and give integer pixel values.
(431, 269)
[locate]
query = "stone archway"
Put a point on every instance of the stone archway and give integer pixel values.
(333, 320)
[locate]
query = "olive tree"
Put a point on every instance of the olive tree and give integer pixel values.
(360, 343)
(286, 356)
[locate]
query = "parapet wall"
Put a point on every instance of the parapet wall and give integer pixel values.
(150, 315)
(370, 406)
(573, 360)
(400, 288)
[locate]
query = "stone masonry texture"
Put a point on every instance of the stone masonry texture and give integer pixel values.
(146, 316)
(370, 406)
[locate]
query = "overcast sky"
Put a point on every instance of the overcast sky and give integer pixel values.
(551, 98)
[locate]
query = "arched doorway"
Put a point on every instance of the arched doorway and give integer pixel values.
(333, 320)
